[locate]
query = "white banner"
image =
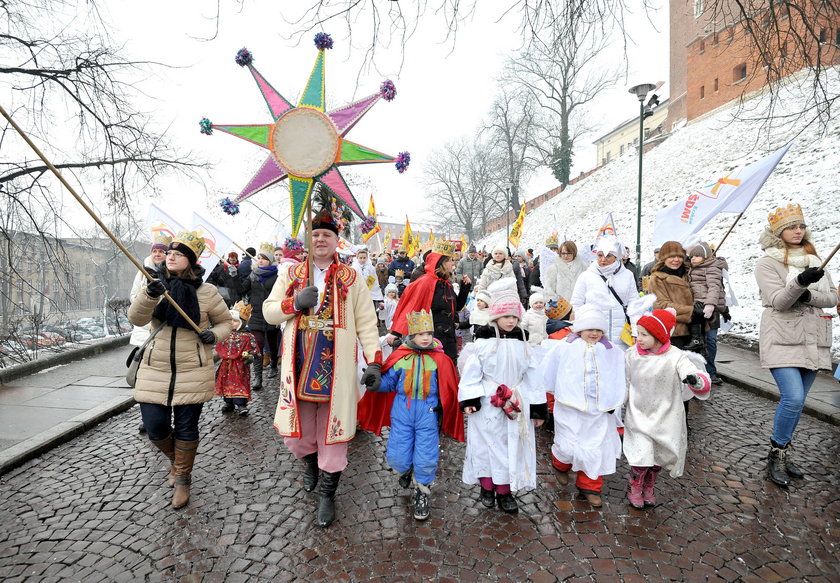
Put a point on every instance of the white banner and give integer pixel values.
(157, 220)
(217, 243)
(732, 193)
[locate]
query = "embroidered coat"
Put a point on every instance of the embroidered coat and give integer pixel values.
(354, 318)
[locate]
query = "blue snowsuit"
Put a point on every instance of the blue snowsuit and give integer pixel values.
(414, 440)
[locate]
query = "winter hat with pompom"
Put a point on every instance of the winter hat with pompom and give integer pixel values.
(505, 299)
(536, 297)
(660, 323)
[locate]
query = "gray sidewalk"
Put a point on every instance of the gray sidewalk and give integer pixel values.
(44, 409)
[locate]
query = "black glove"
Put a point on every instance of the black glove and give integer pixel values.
(726, 315)
(698, 308)
(397, 343)
(691, 380)
(805, 297)
(809, 276)
(372, 378)
(306, 298)
(207, 337)
(155, 288)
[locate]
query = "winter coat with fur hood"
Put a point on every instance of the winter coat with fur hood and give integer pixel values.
(793, 333)
(672, 291)
(177, 369)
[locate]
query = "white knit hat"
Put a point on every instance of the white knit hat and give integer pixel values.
(589, 317)
(536, 297)
(505, 299)
(484, 296)
(501, 248)
(391, 287)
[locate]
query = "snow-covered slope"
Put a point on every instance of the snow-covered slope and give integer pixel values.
(809, 175)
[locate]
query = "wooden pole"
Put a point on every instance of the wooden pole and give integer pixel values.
(99, 222)
(827, 259)
(309, 278)
(738, 218)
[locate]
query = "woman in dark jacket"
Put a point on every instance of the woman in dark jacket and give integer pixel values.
(257, 286)
(433, 292)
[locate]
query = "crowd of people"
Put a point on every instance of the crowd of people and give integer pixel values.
(573, 337)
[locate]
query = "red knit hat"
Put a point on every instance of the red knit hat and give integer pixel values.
(660, 323)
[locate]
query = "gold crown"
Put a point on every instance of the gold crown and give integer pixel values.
(399, 273)
(243, 309)
(785, 217)
(194, 240)
(557, 312)
(267, 248)
(552, 241)
(443, 247)
(419, 322)
(161, 238)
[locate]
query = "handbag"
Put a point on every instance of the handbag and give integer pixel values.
(136, 355)
(627, 330)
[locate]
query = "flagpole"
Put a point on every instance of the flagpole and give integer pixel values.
(827, 259)
(93, 215)
(309, 278)
(738, 218)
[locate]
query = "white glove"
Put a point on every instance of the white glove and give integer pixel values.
(232, 270)
(708, 310)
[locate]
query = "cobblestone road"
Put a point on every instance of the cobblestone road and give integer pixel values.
(96, 509)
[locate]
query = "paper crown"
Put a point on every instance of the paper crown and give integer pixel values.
(193, 240)
(444, 247)
(419, 322)
(399, 273)
(559, 309)
(267, 248)
(785, 217)
(161, 238)
(551, 241)
(243, 309)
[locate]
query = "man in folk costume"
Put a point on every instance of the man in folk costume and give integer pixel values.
(316, 412)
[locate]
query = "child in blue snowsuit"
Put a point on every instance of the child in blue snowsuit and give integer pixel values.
(419, 381)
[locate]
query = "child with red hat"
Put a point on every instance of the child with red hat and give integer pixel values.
(660, 377)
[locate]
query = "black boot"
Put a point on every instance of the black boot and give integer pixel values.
(326, 503)
(793, 470)
(310, 473)
(508, 503)
(696, 344)
(405, 479)
(272, 369)
(256, 373)
(488, 498)
(421, 503)
(776, 462)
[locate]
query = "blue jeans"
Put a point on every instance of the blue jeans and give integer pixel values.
(158, 421)
(793, 384)
(711, 352)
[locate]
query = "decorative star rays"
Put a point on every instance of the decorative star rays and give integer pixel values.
(306, 143)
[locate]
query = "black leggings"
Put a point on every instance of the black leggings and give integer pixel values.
(272, 335)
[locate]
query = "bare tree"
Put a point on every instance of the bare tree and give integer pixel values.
(460, 179)
(561, 71)
(77, 97)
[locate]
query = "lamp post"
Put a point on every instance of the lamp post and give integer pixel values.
(641, 92)
(507, 186)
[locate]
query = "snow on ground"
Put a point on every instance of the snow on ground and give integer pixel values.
(694, 156)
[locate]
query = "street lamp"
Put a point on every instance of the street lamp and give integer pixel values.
(641, 92)
(507, 186)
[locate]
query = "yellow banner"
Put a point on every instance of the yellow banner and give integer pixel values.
(516, 229)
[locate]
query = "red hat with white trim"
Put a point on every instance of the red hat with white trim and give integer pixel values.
(660, 323)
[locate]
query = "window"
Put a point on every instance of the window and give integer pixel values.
(837, 37)
(731, 34)
(621, 149)
(715, 40)
(702, 92)
(702, 46)
(698, 8)
(716, 84)
(822, 36)
(609, 156)
(636, 142)
(783, 50)
(739, 73)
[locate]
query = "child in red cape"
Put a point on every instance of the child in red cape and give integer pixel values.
(418, 381)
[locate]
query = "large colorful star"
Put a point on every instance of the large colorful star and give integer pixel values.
(306, 143)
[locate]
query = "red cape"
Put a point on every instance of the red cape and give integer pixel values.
(375, 408)
(418, 295)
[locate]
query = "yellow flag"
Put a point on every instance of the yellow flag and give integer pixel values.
(408, 239)
(431, 236)
(516, 229)
(388, 240)
(371, 207)
(464, 245)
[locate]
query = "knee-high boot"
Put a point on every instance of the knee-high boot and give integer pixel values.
(184, 459)
(310, 473)
(167, 446)
(326, 503)
(256, 374)
(272, 369)
(634, 487)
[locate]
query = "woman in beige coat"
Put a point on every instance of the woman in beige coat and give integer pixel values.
(175, 377)
(795, 334)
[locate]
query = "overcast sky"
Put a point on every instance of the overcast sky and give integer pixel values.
(444, 91)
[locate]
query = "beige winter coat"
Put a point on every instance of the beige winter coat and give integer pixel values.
(673, 292)
(177, 369)
(793, 333)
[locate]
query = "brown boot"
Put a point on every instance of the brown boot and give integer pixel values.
(184, 459)
(167, 446)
